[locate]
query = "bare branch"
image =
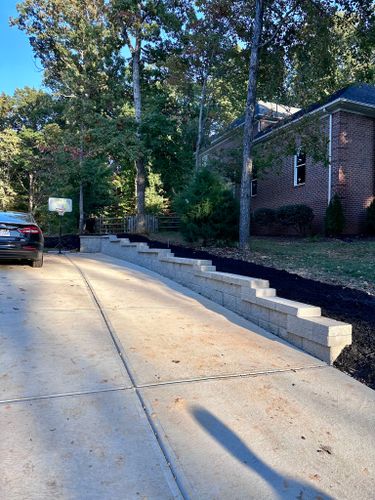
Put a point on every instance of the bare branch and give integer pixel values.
(126, 36)
(282, 22)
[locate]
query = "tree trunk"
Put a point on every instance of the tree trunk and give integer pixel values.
(247, 167)
(81, 157)
(31, 192)
(139, 162)
(201, 122)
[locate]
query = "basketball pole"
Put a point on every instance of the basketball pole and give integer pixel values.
(60, 231)
(61, 213)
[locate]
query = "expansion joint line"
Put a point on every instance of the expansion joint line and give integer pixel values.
(122, 356)
(230, 376)
(63, 395)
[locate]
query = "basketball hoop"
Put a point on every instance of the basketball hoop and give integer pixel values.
(60, 206)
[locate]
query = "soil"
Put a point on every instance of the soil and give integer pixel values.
(337, 302)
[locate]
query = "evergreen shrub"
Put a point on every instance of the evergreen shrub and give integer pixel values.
(207, 209)
(299, 217)
(334, 221)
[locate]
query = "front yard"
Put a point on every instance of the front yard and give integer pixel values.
(345, 262)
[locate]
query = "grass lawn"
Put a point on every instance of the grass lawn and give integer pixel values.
(350, 263)
(345, 262)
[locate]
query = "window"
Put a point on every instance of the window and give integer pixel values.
(299, 168)
(254, 187)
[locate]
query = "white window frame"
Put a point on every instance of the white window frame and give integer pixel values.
(295, 168)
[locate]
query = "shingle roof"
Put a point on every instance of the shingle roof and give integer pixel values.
(361, 93)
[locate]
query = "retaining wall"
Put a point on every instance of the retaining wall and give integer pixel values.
(300, 324)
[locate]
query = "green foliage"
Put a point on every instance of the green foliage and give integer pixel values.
(370, 218)
(85, 134)
(334, 221)
(156, 201)
(299, 217)
(207, 209)
(265, 216)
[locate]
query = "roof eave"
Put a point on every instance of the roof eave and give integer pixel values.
(353, 106)
(340, 103)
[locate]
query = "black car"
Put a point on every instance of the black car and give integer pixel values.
(21, 238)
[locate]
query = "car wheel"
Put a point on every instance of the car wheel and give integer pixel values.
(37, 263)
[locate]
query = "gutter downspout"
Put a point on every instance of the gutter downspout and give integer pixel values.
(330, 159)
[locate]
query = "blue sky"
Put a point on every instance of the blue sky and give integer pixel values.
(17, 65)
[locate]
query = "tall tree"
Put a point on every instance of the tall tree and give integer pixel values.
(76, 47)
(142, 26)
(207, 43)
(247, 168)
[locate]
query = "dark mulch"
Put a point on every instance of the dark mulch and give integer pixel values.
(69, 242)
(340, 303)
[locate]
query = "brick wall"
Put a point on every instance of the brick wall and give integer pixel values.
(353, 166)
(276, 188)
(353, 173)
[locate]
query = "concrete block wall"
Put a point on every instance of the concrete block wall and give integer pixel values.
(299, 324)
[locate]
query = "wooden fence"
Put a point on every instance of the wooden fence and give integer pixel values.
(128, 224)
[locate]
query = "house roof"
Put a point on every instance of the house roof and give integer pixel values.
(360, 95)
(263, 109)
(356, 98)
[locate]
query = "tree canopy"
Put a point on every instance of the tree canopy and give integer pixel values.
(134, 90)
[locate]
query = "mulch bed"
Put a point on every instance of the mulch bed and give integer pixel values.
(337, 302)
(69, 242)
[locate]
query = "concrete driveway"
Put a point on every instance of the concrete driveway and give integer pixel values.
(116, 383)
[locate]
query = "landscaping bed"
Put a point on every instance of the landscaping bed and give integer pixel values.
(336, 301)
(68, 241)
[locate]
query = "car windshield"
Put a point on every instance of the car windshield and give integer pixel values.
(16, 218)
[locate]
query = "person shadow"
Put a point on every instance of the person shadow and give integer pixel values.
(283, 487)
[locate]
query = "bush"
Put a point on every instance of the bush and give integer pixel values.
(207, 209)
(299, 217)
(334, 221)
(264, 216)
(370, 218)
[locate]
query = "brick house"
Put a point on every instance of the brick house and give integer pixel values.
(347, 123)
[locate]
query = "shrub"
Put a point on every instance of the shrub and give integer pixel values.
(299, 217)
(334, 221)
(207, 209)
(264, 216)
(370, 218)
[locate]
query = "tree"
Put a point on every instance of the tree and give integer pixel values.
(76, 46)
(206, 44)
(9, 149)
(29, 123)
(247, 168)
(141, 26)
